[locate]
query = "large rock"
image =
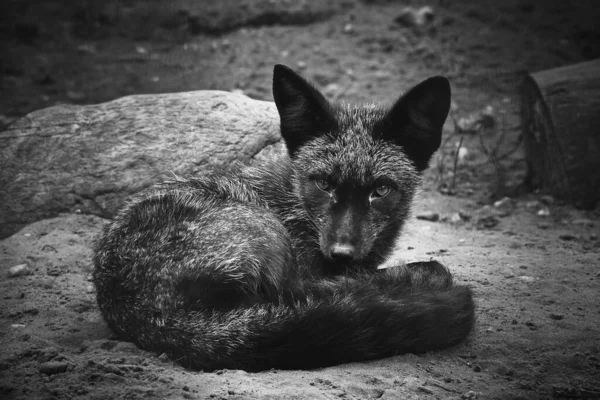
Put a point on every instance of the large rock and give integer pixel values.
(90, 158)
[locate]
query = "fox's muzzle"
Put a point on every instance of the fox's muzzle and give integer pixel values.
(344, 240)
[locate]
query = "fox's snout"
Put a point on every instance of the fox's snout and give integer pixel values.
(344, 238)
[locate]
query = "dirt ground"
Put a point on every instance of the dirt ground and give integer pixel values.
(533, 262)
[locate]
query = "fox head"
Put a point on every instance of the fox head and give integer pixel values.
(356, 168)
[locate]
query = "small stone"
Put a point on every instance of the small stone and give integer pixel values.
(503, 202)
(470, 395)
(465, 216)
(455, 218)
(90, 289)
(556, 317)
(348, 28)
(543, 212)
(415, 17)
(19, 270)
(332, 90)
(487, 222)
(568, 237)
(163, 357)
(301, 64)
(53, 367)
(429, 216)
(526, 278)
(477, 368)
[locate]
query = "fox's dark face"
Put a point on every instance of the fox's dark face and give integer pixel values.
(357, 168)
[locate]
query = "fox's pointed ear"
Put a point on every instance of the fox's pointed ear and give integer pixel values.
(304, 112)
(416, 120)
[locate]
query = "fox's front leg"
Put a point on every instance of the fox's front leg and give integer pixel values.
(421, 275)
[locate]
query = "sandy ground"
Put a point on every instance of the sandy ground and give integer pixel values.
(532, 261)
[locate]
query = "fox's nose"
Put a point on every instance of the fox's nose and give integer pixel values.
(342, 252)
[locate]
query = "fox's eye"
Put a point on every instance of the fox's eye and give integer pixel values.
(323, 185)
(381, 191)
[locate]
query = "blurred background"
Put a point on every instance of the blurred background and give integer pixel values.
(90, 51)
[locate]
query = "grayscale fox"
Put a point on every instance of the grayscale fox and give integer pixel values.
(276, 266)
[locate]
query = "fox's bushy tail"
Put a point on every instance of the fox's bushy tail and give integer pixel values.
(341, 321)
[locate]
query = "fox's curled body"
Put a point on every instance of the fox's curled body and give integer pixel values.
(275, 266)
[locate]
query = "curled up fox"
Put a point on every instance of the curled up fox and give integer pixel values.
(275, 266)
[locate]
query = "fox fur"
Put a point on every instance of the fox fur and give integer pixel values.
(275, 266)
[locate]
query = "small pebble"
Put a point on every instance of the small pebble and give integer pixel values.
(503, 202)
(429, 216)
(413, 17)
(90, 289)
(525, 278)
(455, 218)
(465, 216)
(477, 368)
(53, 367)
(19, 270)
(543, 212)
(470, 395)
(487, 222)
(568, 237)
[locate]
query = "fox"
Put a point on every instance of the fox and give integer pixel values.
(278, 265)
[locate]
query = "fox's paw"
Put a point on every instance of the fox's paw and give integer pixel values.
(429, 274)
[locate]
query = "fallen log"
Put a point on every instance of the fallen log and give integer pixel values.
(561, 120)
